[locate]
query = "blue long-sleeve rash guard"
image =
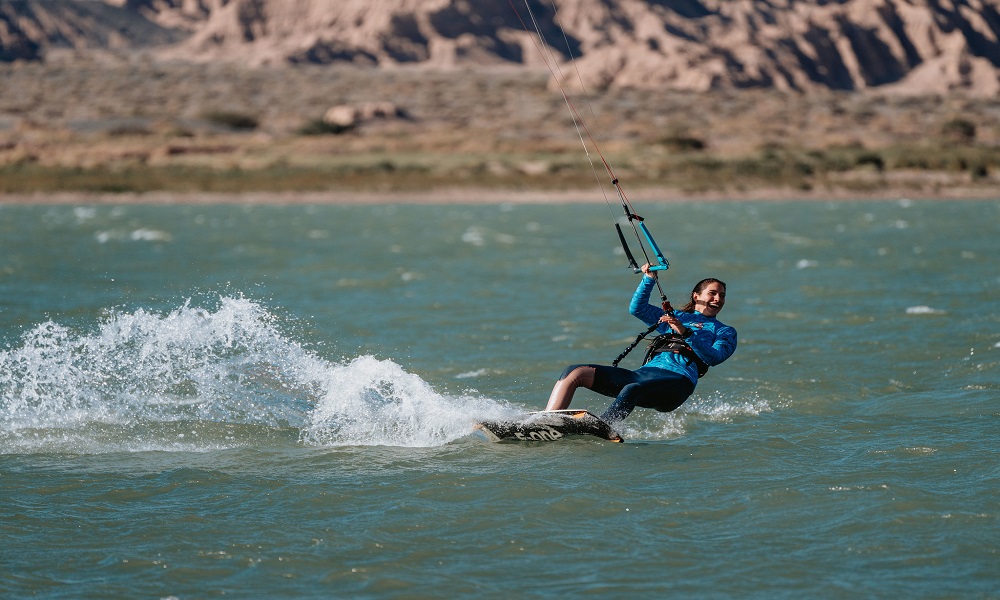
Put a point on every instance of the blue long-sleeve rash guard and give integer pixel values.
(712, 340)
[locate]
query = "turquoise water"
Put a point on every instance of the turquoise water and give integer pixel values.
(276, 401)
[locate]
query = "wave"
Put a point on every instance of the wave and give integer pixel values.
(704, 407)
(198, 379)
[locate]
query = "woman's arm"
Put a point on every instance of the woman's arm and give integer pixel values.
(640, 306)
(714, 351)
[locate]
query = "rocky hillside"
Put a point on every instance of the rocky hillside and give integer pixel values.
(909, 46)
(29, 29)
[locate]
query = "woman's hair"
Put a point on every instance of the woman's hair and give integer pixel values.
(699, 288)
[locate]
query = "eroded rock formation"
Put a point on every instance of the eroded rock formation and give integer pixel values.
(911, 46)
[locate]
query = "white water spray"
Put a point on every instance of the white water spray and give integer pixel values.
(196, 379)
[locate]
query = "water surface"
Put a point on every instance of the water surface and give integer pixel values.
(276, 401)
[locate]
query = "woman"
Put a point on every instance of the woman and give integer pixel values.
(665, 382)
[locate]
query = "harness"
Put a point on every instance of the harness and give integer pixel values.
(672, 342)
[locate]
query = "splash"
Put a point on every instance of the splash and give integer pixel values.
(377, 402)
(196, 379)
(725, 410)
(711, 408)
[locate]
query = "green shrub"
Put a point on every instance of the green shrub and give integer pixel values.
(129, 131)
(321, 127)
(233, 120)
(959, 130)
(682, 143)
(873, 159)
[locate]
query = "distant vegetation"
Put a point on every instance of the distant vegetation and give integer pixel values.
(960, 130)
(502, 131)
(903, 168)
(322, 127)
(236, 121)
(682, 143)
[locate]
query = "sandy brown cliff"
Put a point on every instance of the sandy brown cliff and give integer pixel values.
(911, 46)
(28, 29)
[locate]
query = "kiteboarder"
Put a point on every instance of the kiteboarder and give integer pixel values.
(691, 340)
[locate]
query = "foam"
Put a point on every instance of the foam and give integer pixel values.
(200, 379)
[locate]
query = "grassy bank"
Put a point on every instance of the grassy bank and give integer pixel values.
(190, 129)
(920, 170)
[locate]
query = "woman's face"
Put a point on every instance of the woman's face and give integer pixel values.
(710, 300)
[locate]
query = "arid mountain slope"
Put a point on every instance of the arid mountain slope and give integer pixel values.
(910, 46)
(28, 29)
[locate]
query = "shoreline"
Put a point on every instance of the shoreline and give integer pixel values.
(80, 144)
(479, 196)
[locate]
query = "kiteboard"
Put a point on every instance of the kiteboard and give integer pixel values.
(549, 426)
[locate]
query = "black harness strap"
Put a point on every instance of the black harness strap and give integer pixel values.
(666, 342)
(672, 342)
(634, 344)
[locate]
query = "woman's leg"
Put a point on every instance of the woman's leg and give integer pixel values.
(573, 377)
(622, 406)
(605, 380)
(664, 392)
